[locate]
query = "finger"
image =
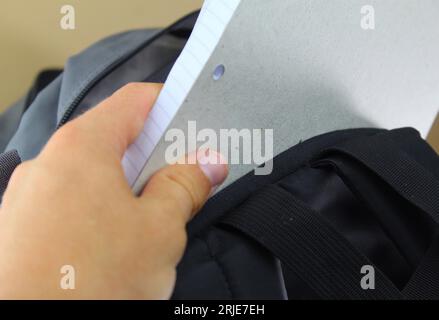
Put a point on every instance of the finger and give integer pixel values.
(181, 190)
(117, 121)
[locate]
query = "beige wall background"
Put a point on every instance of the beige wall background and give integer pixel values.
(31, 37)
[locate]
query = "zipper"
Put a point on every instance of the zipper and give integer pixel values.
(71, 109)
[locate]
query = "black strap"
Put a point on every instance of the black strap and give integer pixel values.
(8, 162)
(424, 282)
(307, 244)
(413, 182)
(406, 176)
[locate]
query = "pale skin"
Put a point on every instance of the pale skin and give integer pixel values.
(73, 206)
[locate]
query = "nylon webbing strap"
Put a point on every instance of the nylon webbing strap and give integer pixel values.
(8, 162)
(306, 243)
(407, 177)
(381, 155)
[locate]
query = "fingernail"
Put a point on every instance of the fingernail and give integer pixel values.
(213, 165)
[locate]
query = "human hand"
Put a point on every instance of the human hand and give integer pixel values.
(73, 206)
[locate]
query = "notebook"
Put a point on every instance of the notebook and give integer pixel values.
(212, 21)
(299, 67)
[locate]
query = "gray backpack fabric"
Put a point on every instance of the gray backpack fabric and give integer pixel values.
(88, 78)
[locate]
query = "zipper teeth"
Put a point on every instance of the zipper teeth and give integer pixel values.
(71, 109)
(68, 113)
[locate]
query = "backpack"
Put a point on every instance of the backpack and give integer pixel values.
(351, 214)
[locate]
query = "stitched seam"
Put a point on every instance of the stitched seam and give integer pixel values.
(220, 266)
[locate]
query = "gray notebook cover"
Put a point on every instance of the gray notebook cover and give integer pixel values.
(306, 67)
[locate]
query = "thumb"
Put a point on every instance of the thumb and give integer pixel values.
(182, 189)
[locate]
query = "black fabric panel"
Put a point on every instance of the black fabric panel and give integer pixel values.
(324, 191)
(197, 278)
(412, 181)
(305, 242)
(409, 229)
(284, 164)
(392, 232)
(199, 275)
(424, 285)
(409, 140)
(221, 264)
(160, 75)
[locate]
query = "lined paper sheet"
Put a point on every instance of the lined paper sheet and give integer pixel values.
(211, 23)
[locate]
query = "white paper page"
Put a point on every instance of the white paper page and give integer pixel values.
(211, 23)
